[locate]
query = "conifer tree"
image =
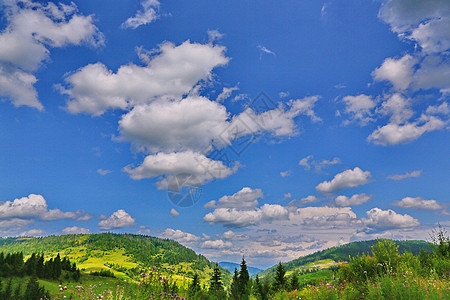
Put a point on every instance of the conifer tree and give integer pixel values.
(235, 285)
(194, 287)
(294, 285)
(216, 280)
(279, 282)
(244, 278)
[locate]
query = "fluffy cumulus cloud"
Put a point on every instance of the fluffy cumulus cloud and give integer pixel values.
(31, 30)
(180, 236)
(191, 123)
(385, 219)
(118, 219)
(197, 167)
(356, 199)
(359, 108)
(419, 203)
(232, 217)
(399, 72)
(216, 244)
(346, 179)
(245, 198)
(148, 14)
(397, 107)
(425, 22)
(323, 217)
(35, 207)
(75, 230)
(393, 134)
(94, 89)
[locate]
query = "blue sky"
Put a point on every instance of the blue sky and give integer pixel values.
(304, 124)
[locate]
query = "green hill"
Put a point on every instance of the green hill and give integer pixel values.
(327, 259)
(126, 255)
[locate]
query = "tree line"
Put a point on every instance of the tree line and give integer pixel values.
(13, 264)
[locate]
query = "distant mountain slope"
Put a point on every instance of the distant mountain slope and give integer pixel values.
(230, 266)
(329, 257)
(124, 254)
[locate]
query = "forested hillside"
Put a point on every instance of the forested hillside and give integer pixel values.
(331, 256)
(126, 255)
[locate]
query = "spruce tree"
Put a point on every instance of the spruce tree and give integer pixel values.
(279, 282)
(194, 287)
(244, 278)
(235, 285)
(216, 280)
(294, 282)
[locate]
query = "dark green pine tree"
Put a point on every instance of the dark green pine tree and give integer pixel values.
(57, 267)
(279, 282)
(234, 289)
(257, 288)
(215, 283)
(244, 281)
(216, 290)
(40, 272)
(33, 291)
(294, 284)
(194, 287)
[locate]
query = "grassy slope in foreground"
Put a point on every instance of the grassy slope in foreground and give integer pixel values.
(124, 254)
(330, 257)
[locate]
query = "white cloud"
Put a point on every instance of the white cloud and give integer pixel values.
(308, 163)
(118, 219)
(33, 232)
(180, 236)
(309, 199)
(443, 109)
(15, 223)
(226, 93)
(198, 166)
(75, 230)
(411, 174)
(214, 35)
(264, 50)
(245, 198)
(346, 179)
(399, 72)
(103, 172)
(35, 207)
(174, 213)
(94, 89)
(360, 108)
(145, 16)
(398, 108)
(232, 236)
(385, 219)
(305, 106)
(425, 22)
(32, 28)
(419, 203)
(356, 199)
(189, 124)
(286, 173)
(393, 134)
(216, 244)
(323, 217)
(231, 217)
